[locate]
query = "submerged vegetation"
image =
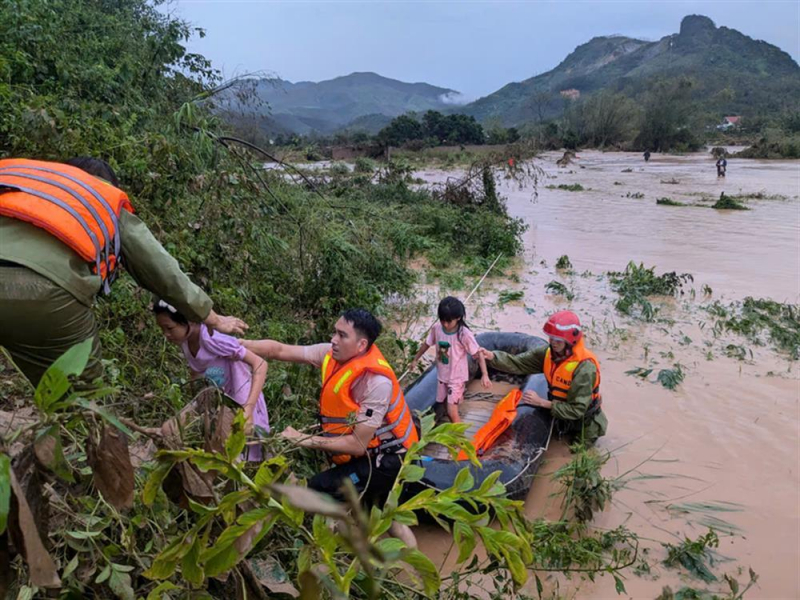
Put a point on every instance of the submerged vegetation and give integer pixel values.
(729, 203)
(569, 187)
(761, 320)
(637, 283)
(559, 289)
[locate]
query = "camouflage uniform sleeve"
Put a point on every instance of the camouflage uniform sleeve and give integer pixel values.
(526, 363)
(579, 396)
(156, 271)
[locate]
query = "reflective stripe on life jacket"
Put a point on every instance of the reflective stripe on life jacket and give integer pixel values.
(338, 408)
(559, 375)
(77, 208)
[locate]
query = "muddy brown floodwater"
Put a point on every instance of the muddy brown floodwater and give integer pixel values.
(730, 433)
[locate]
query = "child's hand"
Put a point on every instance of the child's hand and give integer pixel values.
(486, 382)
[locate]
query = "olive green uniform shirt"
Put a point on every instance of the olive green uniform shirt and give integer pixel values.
(570, 413)
(144, 258)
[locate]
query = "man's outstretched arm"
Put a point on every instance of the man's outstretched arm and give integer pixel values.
(272, 350)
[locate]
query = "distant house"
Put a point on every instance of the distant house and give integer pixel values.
(571, 94)
(728, 122)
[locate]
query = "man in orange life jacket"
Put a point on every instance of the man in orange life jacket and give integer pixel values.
(366, 424)
(64, 229)
(572, 373)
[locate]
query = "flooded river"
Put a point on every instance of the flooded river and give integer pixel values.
(729, 435)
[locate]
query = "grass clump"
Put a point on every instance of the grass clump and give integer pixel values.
(669, 202)
(507, 296)
(563, 263)
(637, 283)
(756, 319)
(728, 203)
(559, 289)
(362, 164)
(571, 187)
(586, 490)
(671, 378)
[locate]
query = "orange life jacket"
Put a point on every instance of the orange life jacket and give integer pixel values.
(502, 416)
(79, 209)
(338, 408)
(559, 375)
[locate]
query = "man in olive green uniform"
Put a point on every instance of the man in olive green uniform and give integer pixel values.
(47, 290)
(573, 378)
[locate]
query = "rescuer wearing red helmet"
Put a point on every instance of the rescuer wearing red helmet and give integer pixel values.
(572, 373)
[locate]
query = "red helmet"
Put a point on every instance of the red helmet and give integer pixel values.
(564, 325)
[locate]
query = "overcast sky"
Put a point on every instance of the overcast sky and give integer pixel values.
(472, 47)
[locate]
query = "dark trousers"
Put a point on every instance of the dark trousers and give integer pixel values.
(377, 480)
(39, 321)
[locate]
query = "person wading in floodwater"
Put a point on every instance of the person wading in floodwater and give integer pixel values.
(573, 378)
(367, 426)
(64, 231)
(722, 166)
(646, 156)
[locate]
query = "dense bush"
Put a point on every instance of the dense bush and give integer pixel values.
(113, 79)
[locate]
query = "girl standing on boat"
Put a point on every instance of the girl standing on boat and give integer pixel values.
(220, 358)
(454, 342)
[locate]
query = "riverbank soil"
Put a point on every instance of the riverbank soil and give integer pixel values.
(721, 449)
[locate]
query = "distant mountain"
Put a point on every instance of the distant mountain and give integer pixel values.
(363, 98)
(733, 73)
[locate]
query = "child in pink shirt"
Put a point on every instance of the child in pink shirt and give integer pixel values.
(222, 359)
(454, 342)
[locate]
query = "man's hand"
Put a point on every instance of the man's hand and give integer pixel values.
(488, 355)
(229, 325)
(486, 382)
(532, 398)
(412, 367)
(291, 434)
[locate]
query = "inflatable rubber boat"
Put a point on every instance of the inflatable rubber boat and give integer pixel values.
(517, 452)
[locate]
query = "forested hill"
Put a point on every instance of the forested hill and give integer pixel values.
(731, 73)
(323, 107)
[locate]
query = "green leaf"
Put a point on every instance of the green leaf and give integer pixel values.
(619, 585)
(55, 381)
(390, 547)
(106, 416)
(156, 593)
(5, 490)
(412, 473)
(120, 584)
(70, 568)
(237, 439)
(426, 570)
(155, 480)
(190, 568)
(515, 566)
(323, 536)
(25, 593)
(418, 501)
(464, 480)
(465, 539)
(104, 574)
(488, 484)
